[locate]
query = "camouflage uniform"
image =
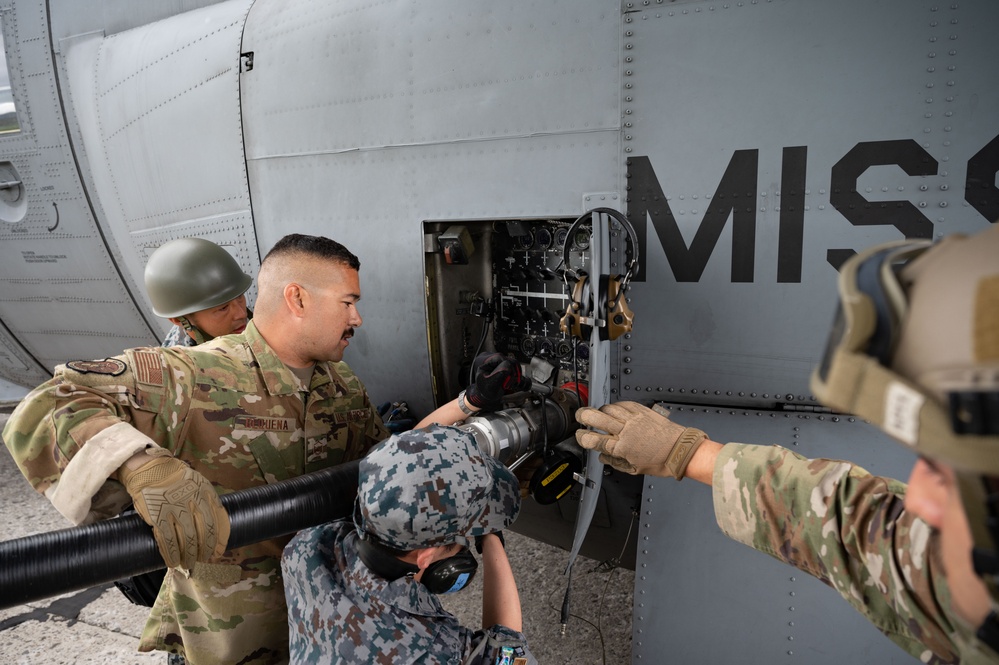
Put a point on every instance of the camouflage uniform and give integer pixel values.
(837, 522)
(237, 415)
(340, 611)
(178, 337)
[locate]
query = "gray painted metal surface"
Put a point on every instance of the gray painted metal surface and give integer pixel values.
(710, 84)
(753, 144)
(11, 394)
(63, 294)
(165, 160)
(703, 598)
(78, 17)
(364, 120)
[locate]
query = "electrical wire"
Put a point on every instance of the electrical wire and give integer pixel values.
(544, 426)
(600, 635)
(615, 564)
(551, 606)
(482, 340)
(608, 566)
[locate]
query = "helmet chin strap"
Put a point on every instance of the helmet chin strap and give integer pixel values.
(980, 497)
(986, 562)
(193, 331)
(988, 632)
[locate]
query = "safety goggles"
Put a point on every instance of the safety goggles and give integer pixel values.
(872, 303)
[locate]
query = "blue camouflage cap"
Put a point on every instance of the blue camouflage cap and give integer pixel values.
(433, 486)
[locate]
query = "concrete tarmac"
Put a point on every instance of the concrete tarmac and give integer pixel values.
(98, 626)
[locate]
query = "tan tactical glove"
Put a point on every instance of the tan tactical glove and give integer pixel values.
(639, 439)
(188, 520)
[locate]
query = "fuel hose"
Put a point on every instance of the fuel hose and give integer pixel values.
(57, 562)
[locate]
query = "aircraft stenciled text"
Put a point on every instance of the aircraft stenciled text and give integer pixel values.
(32, 257)
(735, 199)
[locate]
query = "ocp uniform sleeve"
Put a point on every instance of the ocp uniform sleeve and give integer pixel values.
(374, 430)
(70, 435)
(848, 528)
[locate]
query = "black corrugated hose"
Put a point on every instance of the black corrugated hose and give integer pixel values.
(49, 564)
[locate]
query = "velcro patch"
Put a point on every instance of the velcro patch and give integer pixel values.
(148, 368)
(108, 366)
(986, 330)
(265, 423)
(352, 416)
(316, 450)
(902, 406)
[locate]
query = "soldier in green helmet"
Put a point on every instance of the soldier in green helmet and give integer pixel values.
(915, 351)
(200, 288)
(169, 429)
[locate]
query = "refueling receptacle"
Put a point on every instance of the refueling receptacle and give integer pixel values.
(539, 427)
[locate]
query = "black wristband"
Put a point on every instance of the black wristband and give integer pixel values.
(478, 541)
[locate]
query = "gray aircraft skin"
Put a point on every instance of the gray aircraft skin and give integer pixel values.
(754, 146)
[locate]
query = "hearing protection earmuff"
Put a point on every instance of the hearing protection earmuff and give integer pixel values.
(609, 296)
(444, 576)
(578, 310)
(451, 574)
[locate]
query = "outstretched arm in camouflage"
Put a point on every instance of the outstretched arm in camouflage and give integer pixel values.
(188, 520)
(639, 440)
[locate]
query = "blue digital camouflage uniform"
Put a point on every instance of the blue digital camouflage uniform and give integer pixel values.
(414, 491)
(178, 337)
(339, 611)
(837, 522)
(238, 416)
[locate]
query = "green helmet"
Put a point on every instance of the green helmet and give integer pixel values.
(191, 274)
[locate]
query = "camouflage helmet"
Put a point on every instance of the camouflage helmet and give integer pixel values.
(191, 274)
(433, 486)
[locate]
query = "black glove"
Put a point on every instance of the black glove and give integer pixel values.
(478, 541)
(495, 376)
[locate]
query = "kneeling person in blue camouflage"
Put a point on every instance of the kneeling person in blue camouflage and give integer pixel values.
(365, 590)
